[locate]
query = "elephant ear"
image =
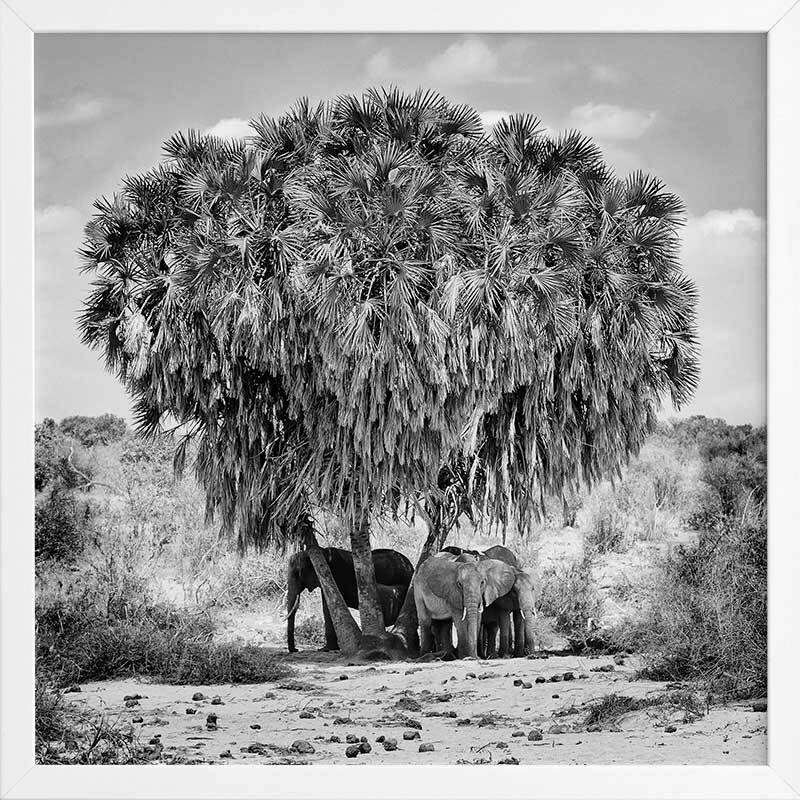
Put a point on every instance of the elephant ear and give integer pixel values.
(499, 577)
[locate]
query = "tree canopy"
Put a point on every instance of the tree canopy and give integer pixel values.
(372, 289)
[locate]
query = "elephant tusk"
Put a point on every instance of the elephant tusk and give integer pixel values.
(293, 608)
(464, 614)
(522, 613)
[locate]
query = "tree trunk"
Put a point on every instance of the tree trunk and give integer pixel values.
(347, 631)
(406, 626)
(369, 607)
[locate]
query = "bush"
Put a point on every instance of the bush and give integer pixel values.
(707, 618)
(569, 596)
(77, 644)
(60, 523)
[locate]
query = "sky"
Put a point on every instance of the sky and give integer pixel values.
(690, 109)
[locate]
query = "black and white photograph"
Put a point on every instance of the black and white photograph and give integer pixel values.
(400, 399)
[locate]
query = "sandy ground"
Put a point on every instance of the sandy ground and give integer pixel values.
(329, 698)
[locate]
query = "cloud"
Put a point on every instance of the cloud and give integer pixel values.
(79, 108)
(230, 128)
(491, 117)
(380, 64)
(606, 121)
(724, 252)
(53, 220)
(602, 73)
(738, 222)
(463, 61)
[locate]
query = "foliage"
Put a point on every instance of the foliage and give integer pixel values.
(67, 734)
(89, 431)
(60, 522)
(79, 644)
(364, 281)
(570, 597)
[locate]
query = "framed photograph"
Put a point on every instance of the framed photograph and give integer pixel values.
(390, 388)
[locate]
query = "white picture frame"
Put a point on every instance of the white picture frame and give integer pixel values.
(20, 21)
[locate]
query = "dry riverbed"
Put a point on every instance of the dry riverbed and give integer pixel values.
(458, 712)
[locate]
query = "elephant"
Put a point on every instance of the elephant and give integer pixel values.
(519, 603)
(449, 588)
(393, 572)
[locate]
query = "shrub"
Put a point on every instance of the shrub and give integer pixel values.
(60, 522)
(707, 617)
(569, 595)
(78, 644)
(67, 734)
(310, 632)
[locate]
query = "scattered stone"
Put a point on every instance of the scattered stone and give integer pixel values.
(558, 729)
(485, 722)
(341, 721)
(363, 739)
(471, 675)
(72, 689)
(412, 670)
(594, 728)
(334, 739)
(389, 744)
(426, 747)
(670, 729)
(465, 721)
(133, 697)
(408, 704)
(412, 723)
(527, 685)
(302, 746)
(343, 677)
(226, 754)
(211, 722)
(198, 696)
(257, 748)
(443, 698)
(306, 715)
(517, 682)
(131, 703)
(568, 676)
(603, 668)
(540, 679)
(138, 719)
(365, 747)
(410, 735)
(535, 735)
(191, 710)
(555, 678)
(517, 734)
(352, 751)
(351, 738)
(155, 740)
(380, 738)
(583, 676)
(217, 701)
(255, 726)
(269, 695)
(760, 705)
(483, 676)
(556, 696)
(509, 760)
(615, 729)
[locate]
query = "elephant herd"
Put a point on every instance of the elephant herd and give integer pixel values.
(481, 594)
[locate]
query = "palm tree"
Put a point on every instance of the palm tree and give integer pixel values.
(371, 292)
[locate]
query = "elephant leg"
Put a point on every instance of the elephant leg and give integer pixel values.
(521, 647)
(331, 642)
(505, 635)
(425, 637)
(482, 641)
(490, 629)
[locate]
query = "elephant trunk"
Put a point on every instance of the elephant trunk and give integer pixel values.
(471, 621)
(292, 602)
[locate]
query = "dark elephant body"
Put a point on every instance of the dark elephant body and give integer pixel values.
(393, 573)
